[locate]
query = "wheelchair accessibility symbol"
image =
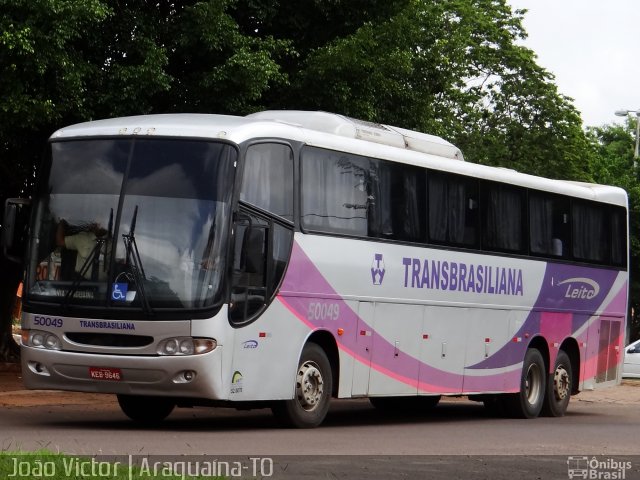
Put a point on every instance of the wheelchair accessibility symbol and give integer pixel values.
(119, 292)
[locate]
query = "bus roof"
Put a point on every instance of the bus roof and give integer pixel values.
(336, 132)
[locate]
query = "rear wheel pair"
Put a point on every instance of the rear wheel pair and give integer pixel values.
(539, 393)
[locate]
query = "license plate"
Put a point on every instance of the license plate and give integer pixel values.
(105, 373)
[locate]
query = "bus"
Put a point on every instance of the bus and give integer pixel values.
(286, 258)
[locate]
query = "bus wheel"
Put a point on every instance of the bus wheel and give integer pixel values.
(147, 410)
(313, 391)
(528, 402)
(559, 387)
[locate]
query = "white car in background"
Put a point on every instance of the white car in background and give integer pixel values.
(631, 367)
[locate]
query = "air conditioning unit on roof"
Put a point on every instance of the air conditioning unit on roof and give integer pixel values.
(359, 129)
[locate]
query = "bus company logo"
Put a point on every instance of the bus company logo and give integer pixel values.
(580, 288)
(236, 382)
(250, 344)
(377, 269)
(607, 469)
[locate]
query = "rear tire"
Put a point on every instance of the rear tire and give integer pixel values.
(314, 385)
(559, 386)
(146, 410)
(528, 402)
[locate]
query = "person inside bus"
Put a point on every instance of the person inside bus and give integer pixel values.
(83, 240)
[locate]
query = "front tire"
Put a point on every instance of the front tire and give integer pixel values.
(527, 403)
(145, 410)
(559, 387)
(314, 385)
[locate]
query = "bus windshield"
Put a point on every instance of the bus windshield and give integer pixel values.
(132, 223)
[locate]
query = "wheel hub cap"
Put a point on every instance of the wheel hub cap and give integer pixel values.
(310, 386)
(561, 383)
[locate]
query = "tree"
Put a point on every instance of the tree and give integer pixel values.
(215, 67)
(451, 68)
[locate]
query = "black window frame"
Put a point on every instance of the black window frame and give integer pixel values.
(562, 221)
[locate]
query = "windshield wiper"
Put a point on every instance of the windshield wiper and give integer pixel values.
(134, 262)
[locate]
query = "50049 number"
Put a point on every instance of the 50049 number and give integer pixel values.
(323, 311)
(47, 321)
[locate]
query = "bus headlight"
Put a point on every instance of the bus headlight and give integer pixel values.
(186, 346)
(40, 339)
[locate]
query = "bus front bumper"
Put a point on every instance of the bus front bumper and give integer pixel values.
(189, 376)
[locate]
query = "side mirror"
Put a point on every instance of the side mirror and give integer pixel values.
(14, 228)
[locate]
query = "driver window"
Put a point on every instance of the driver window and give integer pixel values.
(263, 232)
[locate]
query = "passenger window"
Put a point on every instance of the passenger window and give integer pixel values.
(267, 180)
(502, 226)
(397, 202)
(618, 238)
(335, 192)
(453, 209)
(548, 225)
(591, 240)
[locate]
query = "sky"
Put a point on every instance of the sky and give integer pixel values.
(593, 49)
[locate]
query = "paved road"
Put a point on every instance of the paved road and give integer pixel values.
(605, 424)
(352, 428)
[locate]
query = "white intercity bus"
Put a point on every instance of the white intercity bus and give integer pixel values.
(287, 257)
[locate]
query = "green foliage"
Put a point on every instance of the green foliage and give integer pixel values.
(215, 66)
(65, 61)
(42, 79)
(451, 68)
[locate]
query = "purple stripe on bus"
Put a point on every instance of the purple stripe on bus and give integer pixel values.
(565, 289)
(303, 276)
